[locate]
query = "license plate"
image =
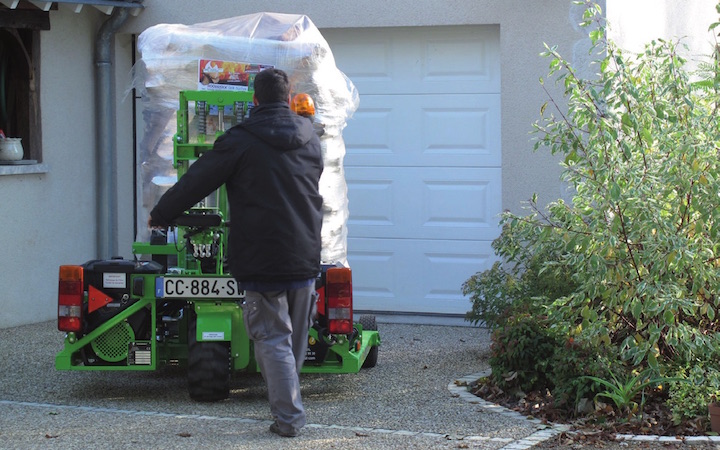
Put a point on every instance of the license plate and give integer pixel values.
(197, 287)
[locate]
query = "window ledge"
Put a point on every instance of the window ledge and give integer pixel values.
(23, 169)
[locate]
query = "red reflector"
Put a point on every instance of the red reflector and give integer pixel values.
(340, 326)
(97, 299)
(69, 324)
(70, 298)
(69, 287)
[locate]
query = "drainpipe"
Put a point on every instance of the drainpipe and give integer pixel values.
(105, 136)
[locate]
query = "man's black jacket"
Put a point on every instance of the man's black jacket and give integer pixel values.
(271, 165)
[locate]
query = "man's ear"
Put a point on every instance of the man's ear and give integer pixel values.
(255, 102)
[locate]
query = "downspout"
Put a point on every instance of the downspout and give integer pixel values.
(105, 136)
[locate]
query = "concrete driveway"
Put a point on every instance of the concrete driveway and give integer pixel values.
(406, 401)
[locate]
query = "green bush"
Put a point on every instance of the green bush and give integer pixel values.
(640, 149)
(568, 368)
(630, 266)
(689, 400)
(529, 279)
(520, 351)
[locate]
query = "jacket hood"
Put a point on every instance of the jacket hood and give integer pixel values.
(276, 124)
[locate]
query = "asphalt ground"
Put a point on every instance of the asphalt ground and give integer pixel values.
(409, 400)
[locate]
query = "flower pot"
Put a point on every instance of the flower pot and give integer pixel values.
(714, 411)
(11, 149)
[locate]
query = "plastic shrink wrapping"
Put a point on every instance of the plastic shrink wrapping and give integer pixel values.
(169, 63)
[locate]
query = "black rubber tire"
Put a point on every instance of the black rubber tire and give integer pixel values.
(370, 323)
(208, 368)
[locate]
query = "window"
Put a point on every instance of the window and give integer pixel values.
(19, 77)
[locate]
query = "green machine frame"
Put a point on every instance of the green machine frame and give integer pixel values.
(214, 316)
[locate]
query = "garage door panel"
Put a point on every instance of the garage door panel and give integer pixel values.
(456, 59)
(369, 133)
(411, 276)
(443, 65)
(377, 272)
(425, 130)
(374, 201)
(422, 164)
(441, 209)
(423, 203)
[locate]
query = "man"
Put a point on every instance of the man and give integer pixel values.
(270, 164)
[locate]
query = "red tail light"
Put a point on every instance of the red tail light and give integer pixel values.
(339, 295)
(70, 298)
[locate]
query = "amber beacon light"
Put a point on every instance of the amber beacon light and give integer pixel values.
(303, 105)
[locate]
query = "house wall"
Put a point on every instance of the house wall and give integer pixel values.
(48, 218)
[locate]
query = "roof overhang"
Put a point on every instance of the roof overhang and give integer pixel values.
(106, 6)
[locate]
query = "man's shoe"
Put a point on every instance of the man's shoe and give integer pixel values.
(275, 428)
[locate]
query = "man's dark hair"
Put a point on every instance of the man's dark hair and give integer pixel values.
(272, 85)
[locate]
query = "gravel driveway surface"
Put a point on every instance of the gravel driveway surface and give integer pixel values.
(403, 402)
(409, 400)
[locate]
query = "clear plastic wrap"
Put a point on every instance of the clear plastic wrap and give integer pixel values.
(169, 63)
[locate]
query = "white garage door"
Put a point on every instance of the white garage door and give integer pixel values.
(423, 162)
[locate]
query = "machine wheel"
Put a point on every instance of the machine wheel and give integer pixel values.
(369, 323)
(208, 368)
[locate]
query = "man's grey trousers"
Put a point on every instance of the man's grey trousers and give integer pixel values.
(278, 322)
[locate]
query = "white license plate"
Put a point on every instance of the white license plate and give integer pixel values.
(197, 287)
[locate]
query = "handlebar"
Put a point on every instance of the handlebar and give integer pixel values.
(198, 220)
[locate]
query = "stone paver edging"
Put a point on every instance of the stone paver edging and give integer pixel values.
(459, 388)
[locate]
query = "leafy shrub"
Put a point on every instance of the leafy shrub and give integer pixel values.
(689, 399)
(631, 264)
(530, 278)
(520, 351)
(568, 368)
(640, 149)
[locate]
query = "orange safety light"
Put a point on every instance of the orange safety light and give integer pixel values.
(302, 104)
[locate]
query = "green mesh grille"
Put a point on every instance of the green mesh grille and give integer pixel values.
(112, 346)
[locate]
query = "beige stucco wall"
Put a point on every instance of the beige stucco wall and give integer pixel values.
(48, 219)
